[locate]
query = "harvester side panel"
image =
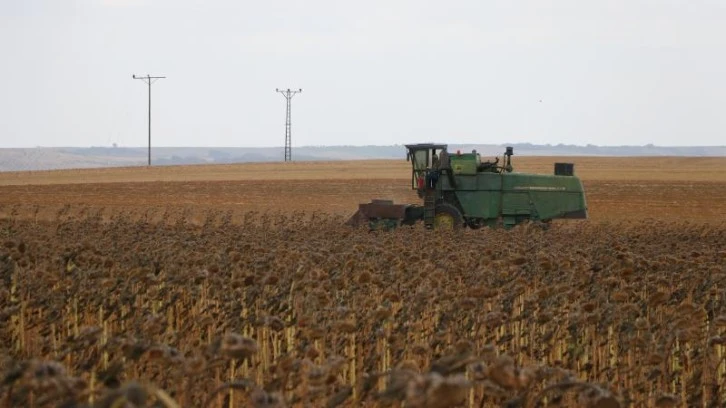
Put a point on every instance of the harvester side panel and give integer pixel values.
(551, 205)
(480, 204)
(490, 195)
(489, 182)
(480, 195)
(546, 196)
(516, 203)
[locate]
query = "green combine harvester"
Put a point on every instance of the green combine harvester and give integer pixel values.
(460, 190)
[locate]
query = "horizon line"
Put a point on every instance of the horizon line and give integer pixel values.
(590, 145)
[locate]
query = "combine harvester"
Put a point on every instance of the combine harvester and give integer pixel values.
(460, 190)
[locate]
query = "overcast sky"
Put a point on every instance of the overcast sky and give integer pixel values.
(606, 72)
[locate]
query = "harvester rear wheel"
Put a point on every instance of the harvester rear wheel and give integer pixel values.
(448, 217)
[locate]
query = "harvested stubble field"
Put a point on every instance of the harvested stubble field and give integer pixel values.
(174, 287)
(617, 188)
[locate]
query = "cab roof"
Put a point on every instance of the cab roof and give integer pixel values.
(420, 146)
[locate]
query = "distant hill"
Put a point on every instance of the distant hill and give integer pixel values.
(49, 158)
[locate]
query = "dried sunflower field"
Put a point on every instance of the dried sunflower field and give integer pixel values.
(176, 293)
(295, 310)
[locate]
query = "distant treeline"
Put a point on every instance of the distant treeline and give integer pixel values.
(45, 158)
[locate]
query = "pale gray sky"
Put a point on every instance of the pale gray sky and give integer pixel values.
(607, 72)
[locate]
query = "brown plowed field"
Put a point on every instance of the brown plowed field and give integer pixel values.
(617, 188)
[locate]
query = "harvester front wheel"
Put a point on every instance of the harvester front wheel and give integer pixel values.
(448, 217)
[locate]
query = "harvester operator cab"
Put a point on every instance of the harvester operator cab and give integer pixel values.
(425, 158)
(429, 161)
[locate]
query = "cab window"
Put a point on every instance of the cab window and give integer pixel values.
(420, 160)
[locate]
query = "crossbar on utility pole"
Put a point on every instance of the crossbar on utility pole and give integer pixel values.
(149, 80)
(288, 94)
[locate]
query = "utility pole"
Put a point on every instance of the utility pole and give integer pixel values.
(149, 80)
(288, 94)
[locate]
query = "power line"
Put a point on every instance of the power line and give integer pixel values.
(149, 80)
(288, 94)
